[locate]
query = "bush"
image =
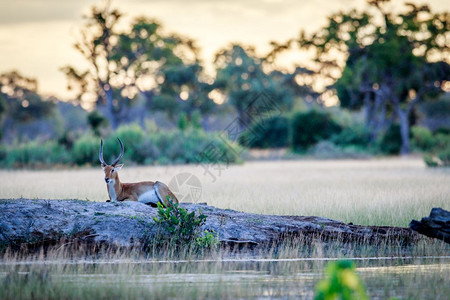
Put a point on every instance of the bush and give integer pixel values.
(442, 130)
(188, 146)
(196, 120)
(442, 141)
(36, 154)
(156, 147)
(310, 127)
(208, 240)
(85, 150)
(444, 157)
(422, 138)
(183, 122)
(166, 147)
(356, 135)
(178, 226)
(391, 141)
(268, 133)
(439, 155)
(132, 136)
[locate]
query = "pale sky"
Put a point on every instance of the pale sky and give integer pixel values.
(36, 36)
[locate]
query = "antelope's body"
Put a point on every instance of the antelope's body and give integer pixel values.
(147, 192)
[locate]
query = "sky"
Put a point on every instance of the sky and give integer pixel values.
(37, 36)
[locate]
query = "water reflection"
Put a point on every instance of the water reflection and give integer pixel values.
(383, 277)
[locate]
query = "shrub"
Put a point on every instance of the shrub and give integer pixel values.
(178, 225)
(271, 132)
(165, 147)
(183, 122)
(442, 141)
(422, 138)
(442, 149)
(132, 136)
(439, 155)
(442, 130)
(310, 127)
(208, 240)
(391, 141)
(188, 146)
(147, 152)
(444, 157)
(85, 150)
(196, 120)
(356, 135)
(156, 147)
(58, 154)
(35, 154)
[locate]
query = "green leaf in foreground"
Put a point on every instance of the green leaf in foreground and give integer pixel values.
(341, 282)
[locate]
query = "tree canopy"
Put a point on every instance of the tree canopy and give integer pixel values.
(20, 100)
(383, 61)
(141, 62)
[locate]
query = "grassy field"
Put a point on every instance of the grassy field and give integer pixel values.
(369, 192)
(375, 192)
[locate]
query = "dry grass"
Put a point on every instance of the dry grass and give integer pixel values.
(375, 192)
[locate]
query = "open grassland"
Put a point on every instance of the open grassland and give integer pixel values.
(369, 192)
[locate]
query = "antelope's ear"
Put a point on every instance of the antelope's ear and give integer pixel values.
(118, 167)
(103, 166)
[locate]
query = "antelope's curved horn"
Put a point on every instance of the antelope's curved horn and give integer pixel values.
(122, 150)
(100, 154)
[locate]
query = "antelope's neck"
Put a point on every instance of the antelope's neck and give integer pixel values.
(114, 189)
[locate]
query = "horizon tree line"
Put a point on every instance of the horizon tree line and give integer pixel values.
(381, 62)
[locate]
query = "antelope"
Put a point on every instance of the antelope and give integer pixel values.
(147, 192)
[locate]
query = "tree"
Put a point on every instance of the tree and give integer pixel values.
(384, 67)
(183, 89)
(20, 101)
(163, 68)
(241, 76)
(141, 62)
(98, 37)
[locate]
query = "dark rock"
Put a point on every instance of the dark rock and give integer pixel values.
(126, 224)
(437, 225)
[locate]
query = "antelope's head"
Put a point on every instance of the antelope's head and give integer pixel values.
(111, 170)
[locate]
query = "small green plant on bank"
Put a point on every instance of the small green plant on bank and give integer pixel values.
(341, 282)
(208, 240)
(178, 226)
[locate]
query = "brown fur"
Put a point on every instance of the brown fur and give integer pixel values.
(132, 191)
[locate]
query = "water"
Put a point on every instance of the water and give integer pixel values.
(384, 277)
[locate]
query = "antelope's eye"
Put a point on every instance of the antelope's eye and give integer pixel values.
(112, 171)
